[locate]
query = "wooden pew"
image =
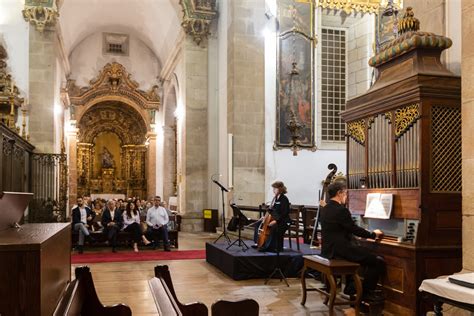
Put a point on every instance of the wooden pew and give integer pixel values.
(80, 298)
(165, 297)
(168, 304)
(247, 307)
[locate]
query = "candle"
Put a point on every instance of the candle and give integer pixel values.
(13, 86)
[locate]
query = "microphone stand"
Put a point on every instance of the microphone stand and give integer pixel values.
(224, 229)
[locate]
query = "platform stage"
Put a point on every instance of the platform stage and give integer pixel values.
(252, 264)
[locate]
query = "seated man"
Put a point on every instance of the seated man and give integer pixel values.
(112, 221)
(81, 214)
(157, 220)
(337, 235)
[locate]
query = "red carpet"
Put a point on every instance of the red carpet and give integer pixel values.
(124, 256)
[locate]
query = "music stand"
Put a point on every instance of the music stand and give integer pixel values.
(277, 270)
(224, 231)
(242, 220)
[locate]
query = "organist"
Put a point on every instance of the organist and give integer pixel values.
(337, 234)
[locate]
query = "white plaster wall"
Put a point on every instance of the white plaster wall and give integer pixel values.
(303, 174)
(14, 34)
(87, 60)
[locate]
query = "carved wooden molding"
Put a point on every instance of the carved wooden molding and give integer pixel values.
(114, 81)
(197, 18)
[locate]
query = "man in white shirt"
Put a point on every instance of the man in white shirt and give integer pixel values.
(157, 220)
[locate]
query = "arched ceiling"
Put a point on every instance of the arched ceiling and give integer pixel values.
(156, 22)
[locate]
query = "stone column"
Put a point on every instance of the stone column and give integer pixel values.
(246, 102)
(151, 168)
(42, 75)
(72, 167)
(194, 136)
(467, 70)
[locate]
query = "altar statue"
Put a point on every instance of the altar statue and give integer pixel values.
(107, 158)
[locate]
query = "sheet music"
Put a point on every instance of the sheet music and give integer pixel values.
(379, 205)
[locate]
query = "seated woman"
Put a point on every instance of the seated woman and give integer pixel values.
(280, 214)
(97, 209)
(131, 223)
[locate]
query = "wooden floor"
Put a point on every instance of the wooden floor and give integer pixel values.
(196, 280)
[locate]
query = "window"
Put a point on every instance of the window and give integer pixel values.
(115, 44)
(333, 83)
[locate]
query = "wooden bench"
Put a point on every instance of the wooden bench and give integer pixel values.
(80, 298)
(330, 269)
(165, 297)
(167, 302)
(247, 307)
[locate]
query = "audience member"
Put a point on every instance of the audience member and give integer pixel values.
(81, 214)
(112, 221)
(157, 220)
(98, 208)
(131, 223)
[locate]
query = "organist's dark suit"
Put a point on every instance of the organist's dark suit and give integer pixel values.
(337, 234)
(280, 212)
(111, 231)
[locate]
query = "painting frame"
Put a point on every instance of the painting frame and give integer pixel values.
(301, 88)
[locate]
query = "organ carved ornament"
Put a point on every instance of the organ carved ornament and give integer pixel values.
(197, 18)
(405, 117)
(349, 6)
(356, 130)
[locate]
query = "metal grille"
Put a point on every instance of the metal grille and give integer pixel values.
(446, 149)
(333, 83)
(49, 185)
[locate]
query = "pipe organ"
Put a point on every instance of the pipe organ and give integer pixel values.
(404, 139)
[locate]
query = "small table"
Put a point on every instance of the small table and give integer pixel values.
(441, 291)
(331, 268)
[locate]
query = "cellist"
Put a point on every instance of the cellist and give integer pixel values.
(279, 211)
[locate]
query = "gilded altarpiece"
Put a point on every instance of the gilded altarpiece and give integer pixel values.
(114, 119)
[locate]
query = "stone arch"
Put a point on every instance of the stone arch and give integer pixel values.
(113, 116)
(170, 144)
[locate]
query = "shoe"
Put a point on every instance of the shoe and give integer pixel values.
(254, 246)
(373, 297)
(80, 250)
(135, 249)
(114, 250)
(167, 248)
(91, 239)
(350, 289)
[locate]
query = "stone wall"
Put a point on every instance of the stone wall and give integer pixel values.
(245, 93)
(467, 69)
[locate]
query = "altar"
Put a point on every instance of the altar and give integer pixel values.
(107, 196)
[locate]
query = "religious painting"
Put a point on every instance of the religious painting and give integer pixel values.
(386, 21)
(295, 73)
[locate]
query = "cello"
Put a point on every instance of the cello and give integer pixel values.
(323, 196)
(264, 230)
